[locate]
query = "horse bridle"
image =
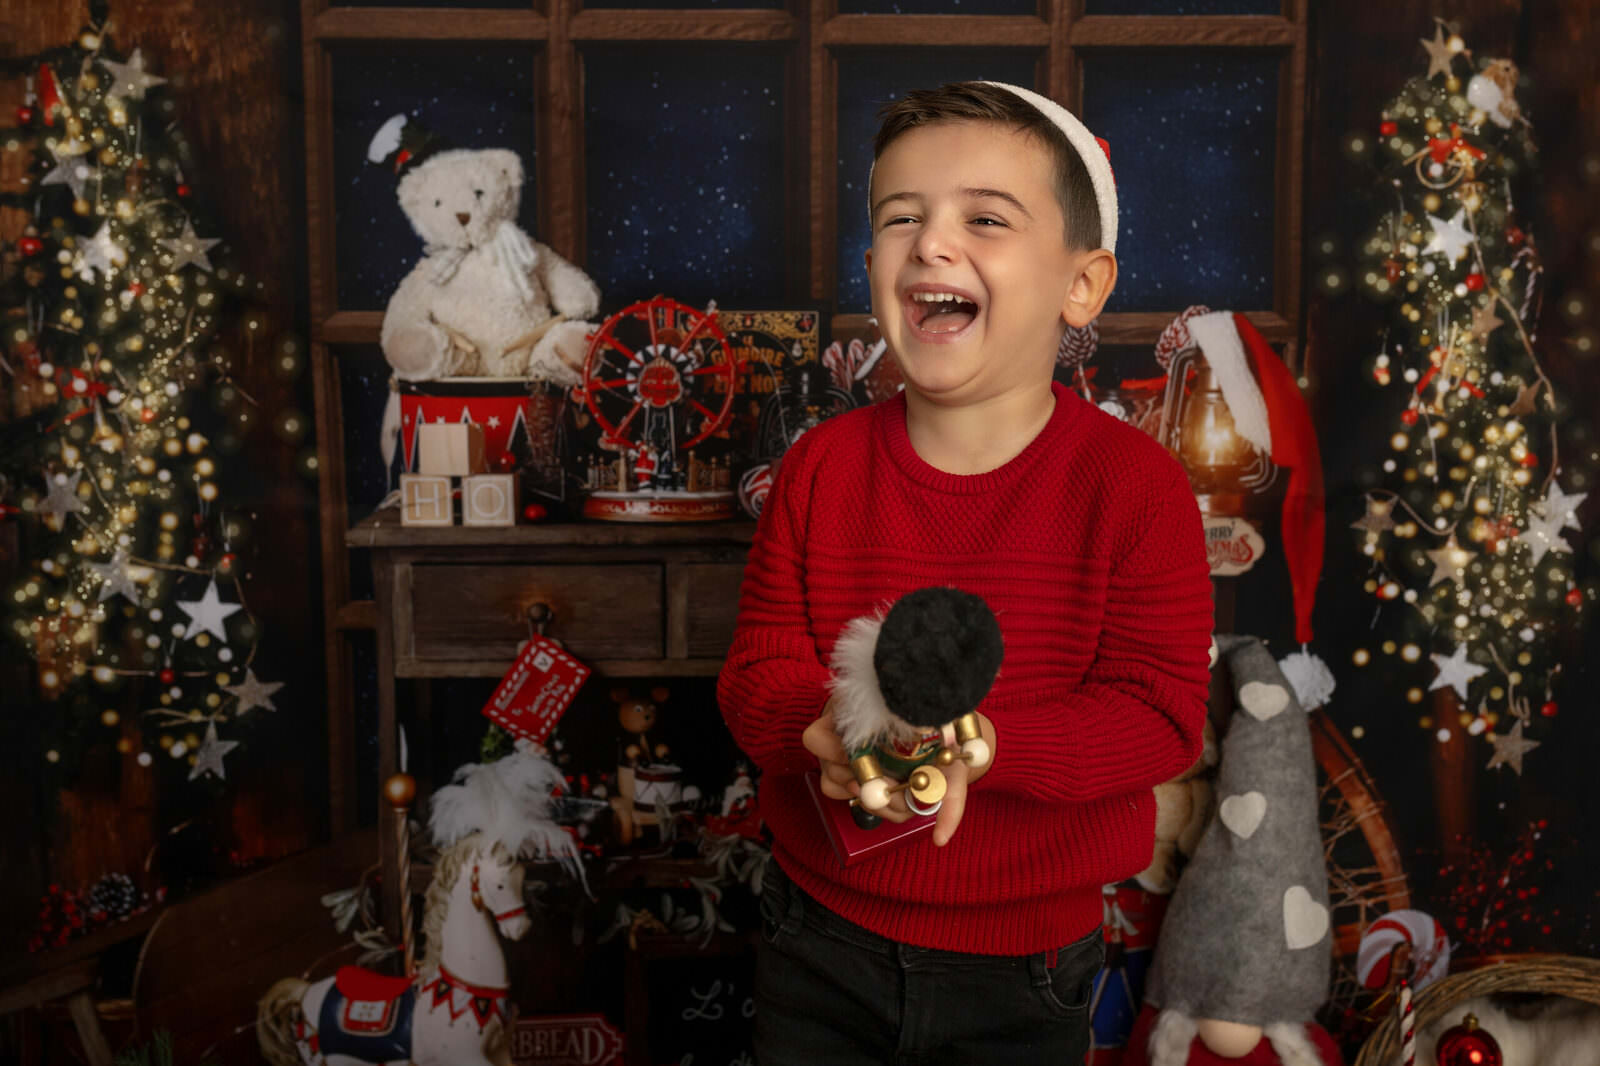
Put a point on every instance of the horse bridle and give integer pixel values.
(477, 901)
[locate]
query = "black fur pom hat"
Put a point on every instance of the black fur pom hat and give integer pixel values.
(928, 661)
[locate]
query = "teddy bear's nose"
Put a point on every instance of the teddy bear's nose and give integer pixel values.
(463, 218)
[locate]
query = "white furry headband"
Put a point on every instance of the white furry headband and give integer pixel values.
(1093, 151)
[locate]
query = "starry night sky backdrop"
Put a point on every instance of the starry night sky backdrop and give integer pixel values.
(1193, 144)
(685, 173)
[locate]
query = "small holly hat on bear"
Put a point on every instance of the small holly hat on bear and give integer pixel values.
(1246, 937)
(402, 143)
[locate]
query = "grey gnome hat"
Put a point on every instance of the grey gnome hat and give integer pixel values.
(1246, 936)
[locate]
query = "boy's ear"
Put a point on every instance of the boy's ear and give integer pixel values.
(1097, 276)
(868, 258)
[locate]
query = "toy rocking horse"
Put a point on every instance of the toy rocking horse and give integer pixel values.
(455, 1010)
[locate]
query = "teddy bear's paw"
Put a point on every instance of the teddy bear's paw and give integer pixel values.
(418, 353)
(560, 354)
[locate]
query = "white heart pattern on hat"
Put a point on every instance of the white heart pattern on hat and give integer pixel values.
(1261, 700)
(1305, 921)
(1242, 814)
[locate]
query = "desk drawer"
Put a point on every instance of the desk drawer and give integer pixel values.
(480, 612)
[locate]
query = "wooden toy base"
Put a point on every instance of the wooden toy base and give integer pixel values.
(851, 843)
(648, 506)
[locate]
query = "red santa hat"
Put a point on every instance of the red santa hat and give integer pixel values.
(1269, 411)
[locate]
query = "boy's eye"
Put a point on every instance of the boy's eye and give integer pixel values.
(986, 220)
(898, 218)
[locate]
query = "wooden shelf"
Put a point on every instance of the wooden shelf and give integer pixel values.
(382, 529)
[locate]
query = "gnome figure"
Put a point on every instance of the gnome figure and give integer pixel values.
(1244, 957)
(907, 686)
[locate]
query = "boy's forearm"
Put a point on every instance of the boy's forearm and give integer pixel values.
(1138, 718)
(770, 689)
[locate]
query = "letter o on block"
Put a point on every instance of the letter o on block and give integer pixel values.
(489, 500)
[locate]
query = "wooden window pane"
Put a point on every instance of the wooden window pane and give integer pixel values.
(680, 5)
(1193, 144)
(938, 7)
(684, 152)
(868, 79)
(1183, 7)
(521, 5)
(484, 103)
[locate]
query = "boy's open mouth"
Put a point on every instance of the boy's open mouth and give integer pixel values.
(940, 310)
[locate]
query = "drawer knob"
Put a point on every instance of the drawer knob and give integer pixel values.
(539, 617)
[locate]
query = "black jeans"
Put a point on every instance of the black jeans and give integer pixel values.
(830, 993)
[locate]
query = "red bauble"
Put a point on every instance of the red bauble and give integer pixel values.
(1529, 459)
(1467, 1045)
(1409, 416)
(184, 190)
(1574, 597)
(505, 463)
(168, 675)
(24, 115)
(227, 560)
(533, 512)
(1389, 129)
(1474, 282)
(1550, 709)
(1514, 236)
(147, 414)
(30, 246)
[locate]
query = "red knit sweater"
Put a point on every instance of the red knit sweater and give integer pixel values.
(1088, 547)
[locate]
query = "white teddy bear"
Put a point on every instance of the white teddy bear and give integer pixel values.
(485, 299)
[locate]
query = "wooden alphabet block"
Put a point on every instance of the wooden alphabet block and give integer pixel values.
(489, 500)
(425, 500)
(452, 449)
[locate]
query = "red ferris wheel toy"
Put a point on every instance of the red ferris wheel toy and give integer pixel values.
(660, 360)
(659, 379)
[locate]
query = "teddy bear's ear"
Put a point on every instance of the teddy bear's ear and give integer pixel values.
(619, 694)
(660, 694)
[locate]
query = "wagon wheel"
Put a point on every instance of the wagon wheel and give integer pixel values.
(659, 359)
(1365, 877)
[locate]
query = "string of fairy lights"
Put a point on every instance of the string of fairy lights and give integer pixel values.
(1464, 526)
(113, 330)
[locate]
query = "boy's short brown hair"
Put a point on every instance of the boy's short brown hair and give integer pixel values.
(975, 101)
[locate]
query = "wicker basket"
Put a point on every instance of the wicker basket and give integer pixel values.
(1557, 975)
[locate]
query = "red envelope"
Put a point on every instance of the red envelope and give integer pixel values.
(536, 691)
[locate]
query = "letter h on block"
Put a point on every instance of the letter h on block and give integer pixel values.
(489, 500)
(425, 500)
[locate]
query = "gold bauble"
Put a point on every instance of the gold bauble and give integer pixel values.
(400, 790)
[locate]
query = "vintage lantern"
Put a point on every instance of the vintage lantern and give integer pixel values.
(1226, 471)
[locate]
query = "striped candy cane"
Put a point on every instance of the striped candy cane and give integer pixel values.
(1408, 1025)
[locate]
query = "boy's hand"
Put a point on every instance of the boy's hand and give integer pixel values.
(821, 739)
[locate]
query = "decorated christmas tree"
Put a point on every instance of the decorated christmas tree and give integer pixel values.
(117, 306)
(1468, 560)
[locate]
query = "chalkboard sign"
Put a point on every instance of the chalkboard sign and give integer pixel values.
(698, 1006)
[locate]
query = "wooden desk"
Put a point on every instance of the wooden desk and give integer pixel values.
(455, 602)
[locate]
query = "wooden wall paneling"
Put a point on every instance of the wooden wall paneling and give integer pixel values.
(384, 574)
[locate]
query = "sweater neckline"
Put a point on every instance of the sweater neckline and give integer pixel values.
(898, 439)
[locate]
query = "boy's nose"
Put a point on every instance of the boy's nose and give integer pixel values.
(934, 245)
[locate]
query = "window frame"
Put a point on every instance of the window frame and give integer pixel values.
(814, 33)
